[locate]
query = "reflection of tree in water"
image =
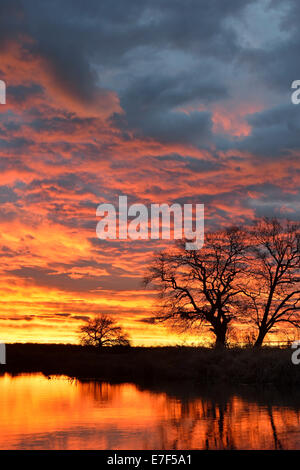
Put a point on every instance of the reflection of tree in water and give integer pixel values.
(184, 417)
(276, 414)
(277, 443)
(100, 392)
(219, 431)
(227, 421)
(178, 433)
(197, 424)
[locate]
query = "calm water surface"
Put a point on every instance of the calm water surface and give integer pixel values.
(59, 413)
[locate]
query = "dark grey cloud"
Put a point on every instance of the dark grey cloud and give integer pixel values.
(152, 107)
(274, 201)
(64, 281)
(7, 194)
(276, 61)
(156, 55)
(195, 164)
(160, 57)
(18, 143)
(275, 132)
(22, 93)
(170, 62)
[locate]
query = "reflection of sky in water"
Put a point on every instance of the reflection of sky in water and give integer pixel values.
(59, 413)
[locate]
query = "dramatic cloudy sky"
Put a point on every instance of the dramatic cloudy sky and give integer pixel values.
(161, 100)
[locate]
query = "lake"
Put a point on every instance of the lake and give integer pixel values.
(57, 412)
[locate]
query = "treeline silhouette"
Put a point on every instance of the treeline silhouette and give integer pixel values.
(156, 365)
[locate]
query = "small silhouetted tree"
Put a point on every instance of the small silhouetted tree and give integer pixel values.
(103, 331)
(274, 271)
(201, 287)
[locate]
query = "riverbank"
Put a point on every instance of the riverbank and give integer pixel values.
(172, 364)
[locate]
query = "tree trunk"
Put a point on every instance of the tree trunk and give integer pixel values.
(261, 336)
(220, 333)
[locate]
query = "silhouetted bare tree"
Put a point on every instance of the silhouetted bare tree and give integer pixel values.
(201, 287)
(103, 331)
(274, 268)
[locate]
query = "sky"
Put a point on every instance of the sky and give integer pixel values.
(163, 101)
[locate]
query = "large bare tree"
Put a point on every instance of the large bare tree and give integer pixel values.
(103, 331)
(201, 287)
(274, 270)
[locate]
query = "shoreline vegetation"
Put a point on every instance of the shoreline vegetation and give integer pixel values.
(172, 364)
